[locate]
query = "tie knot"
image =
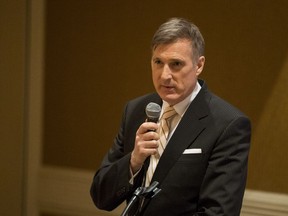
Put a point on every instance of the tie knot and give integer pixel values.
(168, 112)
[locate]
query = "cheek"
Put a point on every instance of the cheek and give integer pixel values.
(155, 79)
(155, 76)
(185, 81)
(181, 80)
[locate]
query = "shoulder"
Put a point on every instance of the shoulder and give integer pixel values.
(141, 102)
(151, 97)
(220, 107)
(225, 115)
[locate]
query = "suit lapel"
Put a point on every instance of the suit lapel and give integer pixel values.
(189, 128)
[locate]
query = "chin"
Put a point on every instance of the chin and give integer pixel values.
(170, 99)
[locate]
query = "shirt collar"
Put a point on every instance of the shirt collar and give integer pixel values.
(182, 106)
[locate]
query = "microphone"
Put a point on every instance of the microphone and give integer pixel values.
(153, 111)
(141, 192)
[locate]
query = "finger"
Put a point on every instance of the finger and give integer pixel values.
(152, 144)
(147, 126)
(149, 151)
(142, 153)
(150, 135)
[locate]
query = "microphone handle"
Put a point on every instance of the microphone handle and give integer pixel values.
(150, 119)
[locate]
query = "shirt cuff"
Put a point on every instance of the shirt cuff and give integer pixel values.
(131, 181)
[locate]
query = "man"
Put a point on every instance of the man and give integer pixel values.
(203, 167)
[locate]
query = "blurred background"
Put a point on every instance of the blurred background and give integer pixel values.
(68, 67)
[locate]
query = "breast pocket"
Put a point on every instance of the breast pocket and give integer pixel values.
(193, 158)
(189, 170)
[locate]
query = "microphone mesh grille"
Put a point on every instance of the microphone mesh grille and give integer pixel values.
(153, 110)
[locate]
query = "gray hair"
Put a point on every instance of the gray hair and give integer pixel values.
(179, 28)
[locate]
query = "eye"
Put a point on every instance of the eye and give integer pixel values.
(157, 62)
(177, 64)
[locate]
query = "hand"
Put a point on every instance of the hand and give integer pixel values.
(145, 145)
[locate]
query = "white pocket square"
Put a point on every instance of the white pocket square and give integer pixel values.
(193, 151)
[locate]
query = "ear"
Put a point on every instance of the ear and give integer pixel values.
(200, 65)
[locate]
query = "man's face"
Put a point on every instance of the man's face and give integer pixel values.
(173, 71)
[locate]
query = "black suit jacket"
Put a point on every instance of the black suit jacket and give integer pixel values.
(210, 183)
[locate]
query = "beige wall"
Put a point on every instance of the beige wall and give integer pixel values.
(12, 95)
(269, 156)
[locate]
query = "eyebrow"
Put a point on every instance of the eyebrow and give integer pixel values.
(170, 60)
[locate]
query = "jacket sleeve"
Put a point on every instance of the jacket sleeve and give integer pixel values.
(110, 186)
(224, 183)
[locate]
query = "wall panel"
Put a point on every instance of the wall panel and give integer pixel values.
(12, 113)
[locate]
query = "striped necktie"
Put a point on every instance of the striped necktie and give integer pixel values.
(164, 130)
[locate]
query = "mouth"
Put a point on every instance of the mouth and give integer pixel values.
(167, 87)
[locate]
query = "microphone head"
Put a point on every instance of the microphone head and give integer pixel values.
(153, 111)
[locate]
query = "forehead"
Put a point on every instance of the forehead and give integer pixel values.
(180, 48)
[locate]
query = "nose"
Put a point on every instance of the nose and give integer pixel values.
(166, 72)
